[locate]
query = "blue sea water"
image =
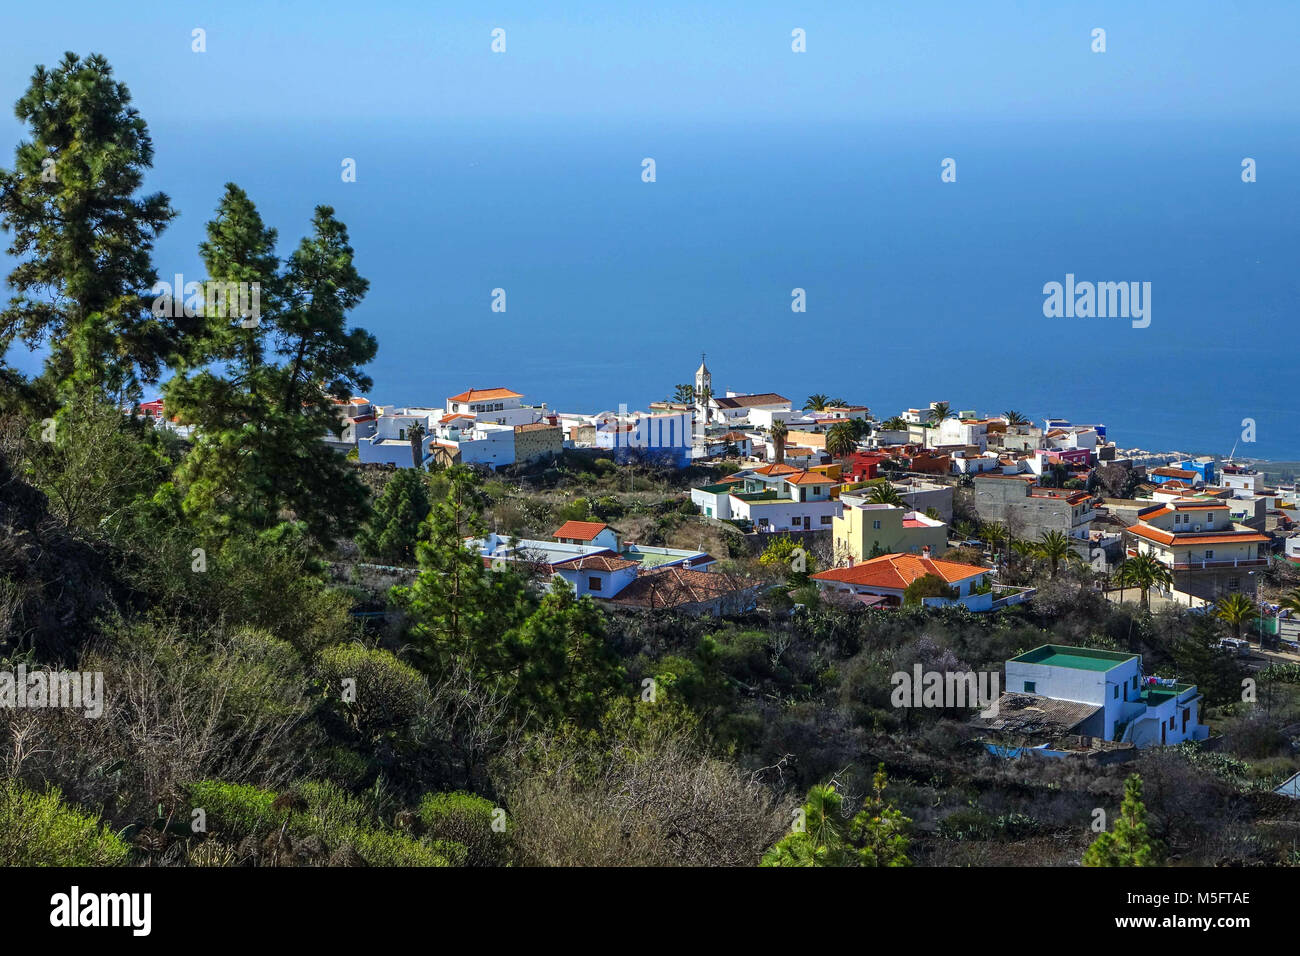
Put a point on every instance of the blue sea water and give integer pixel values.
(917, 290)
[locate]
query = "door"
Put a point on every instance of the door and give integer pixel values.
(807, 522)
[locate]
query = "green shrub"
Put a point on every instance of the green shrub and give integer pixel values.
(389, 693)
(332, 813)
(236, 810)
(39, 829)
(386, 848)
(466, 820)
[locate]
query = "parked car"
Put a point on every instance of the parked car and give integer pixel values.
(1235, 646)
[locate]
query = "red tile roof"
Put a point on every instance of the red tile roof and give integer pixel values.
(674, 587)
(580, 530)
(896, 571)
(749, 401)
(810, 478)
(1160, 536)
(605, 561)
(484, 394)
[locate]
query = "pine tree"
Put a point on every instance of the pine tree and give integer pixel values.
(459, 609)
(259, 393)
(880, 829)
(877, 835)
(563, 666)
(1129, 843)
(82, 236)
(818, 836)
(393, 531)
(223, 386)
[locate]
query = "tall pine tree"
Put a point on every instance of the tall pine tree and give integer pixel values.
(259, 393)
(83, 236)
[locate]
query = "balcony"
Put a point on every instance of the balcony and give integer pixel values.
(1219, 565)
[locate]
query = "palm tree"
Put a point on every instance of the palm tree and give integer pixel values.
(883, 493)
(817, 402)
(1025, 549)
(895, 424)
(416, 434)
(1147, 573)
(994, 532)
(1124, 577)
(1054, 546)
(778, 431)
(837, 403)
(1015, 418)
(1235, 610)
(1292, 601)
(840, 440)
(939, 411)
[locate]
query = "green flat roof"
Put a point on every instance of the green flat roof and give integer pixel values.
(1080, 658)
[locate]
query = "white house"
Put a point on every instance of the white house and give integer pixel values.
(499, 406)
(957, 431)
(390, 443)
(1129, 707)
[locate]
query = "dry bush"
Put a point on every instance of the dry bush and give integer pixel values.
(175, 710)
(654, 797)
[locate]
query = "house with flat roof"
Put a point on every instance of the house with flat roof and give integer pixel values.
(1126, 706)
(866, 529)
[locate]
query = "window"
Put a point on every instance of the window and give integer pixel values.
(1209, 519)
(1031, 687)
(401, 434)
(1135, 682)
(1234, 584)
(875, 525)
(826, 519)
(1209, 554)
(593, 584)
(1115, 694)
(1172, 722)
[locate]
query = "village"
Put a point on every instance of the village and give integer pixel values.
(931, 506)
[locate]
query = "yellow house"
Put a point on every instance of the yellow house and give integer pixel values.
(866, 530)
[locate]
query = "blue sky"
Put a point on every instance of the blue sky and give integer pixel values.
(332, 61)
(818, 170)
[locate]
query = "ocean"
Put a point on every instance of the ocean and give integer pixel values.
(917, 290)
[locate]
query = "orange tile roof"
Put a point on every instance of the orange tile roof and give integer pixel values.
(674, 587)
(580, 530)
(896, 571)
(781, 469)
(484, 394)
(809, 478)
(605, 561)
(1160, 536)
